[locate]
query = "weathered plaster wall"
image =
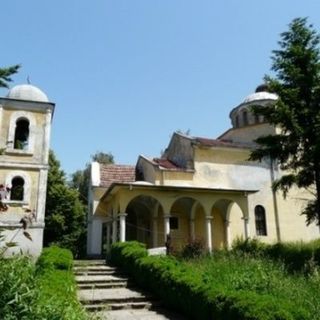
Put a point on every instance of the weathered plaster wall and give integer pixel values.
(249, 133)
(180, 151)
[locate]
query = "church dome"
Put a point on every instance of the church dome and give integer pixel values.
(27, 92)
(242, 115)
(261, 93)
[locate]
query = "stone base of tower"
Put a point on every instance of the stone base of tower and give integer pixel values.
(14, 233)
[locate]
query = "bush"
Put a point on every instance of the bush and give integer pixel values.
(55, 281)
(296, 256)
(227, 286)
(18, 289)
(193, 249)
(55, 258)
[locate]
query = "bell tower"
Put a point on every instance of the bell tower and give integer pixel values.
(25, 125)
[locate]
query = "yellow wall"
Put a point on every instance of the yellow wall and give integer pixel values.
(20, 156)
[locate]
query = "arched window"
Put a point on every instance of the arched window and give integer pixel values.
(237, 121)
(260, 219)
(21, 134)
(17, 189)
(245, 118)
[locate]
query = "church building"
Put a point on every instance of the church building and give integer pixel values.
(25, 124)
(200, 189)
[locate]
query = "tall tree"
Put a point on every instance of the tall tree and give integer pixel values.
(5, 77)
(6, 73)
(80, 178)
(296, 113)
(65, 215)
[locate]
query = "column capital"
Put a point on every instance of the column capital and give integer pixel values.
(209, 217)
(245, 219)
(167, 215)
(122, 214)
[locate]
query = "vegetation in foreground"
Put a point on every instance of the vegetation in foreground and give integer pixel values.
(227, 285)
(45, 290)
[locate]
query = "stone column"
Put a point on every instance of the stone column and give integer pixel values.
(228, 235)
(108, 235)
(166, 226)
(122, 217)
(192, 229)
(155, 232)
(246, 227)
(209, 233)
(114, 229)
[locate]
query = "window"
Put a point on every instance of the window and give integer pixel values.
(260, 219)
(237, 121)
(174, 223)
(17, 189)
(245, 118)
(256, 118)
(21, 134)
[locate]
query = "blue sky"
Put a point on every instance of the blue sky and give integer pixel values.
(125, 74)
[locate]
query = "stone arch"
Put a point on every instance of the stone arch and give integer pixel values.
(228, 222)
(26, 185)
(190, 216)
(15, 118)
(141, 212)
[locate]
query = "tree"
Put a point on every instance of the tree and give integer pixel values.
(296, 114)
(65, 214)
(80, 179)
(6, 73)
(5, 77)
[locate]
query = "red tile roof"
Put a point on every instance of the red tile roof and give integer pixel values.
(110, 173)
(165, 163)
(219, 143)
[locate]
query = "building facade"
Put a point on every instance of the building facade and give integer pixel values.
(200, 189)
(25, 125)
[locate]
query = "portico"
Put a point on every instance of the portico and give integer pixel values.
(148, 213)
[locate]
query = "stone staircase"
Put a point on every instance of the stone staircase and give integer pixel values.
(102, 289)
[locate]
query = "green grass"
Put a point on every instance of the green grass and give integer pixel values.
(228, 285)
(233, 272)
(46, 291)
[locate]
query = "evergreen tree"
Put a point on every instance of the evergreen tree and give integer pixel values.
(296, 113)
(6, 73)
(65, 215)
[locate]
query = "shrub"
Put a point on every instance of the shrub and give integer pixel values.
(193, 249)
(226, 286)
(296, 256)
(18, 289)
(55, 258)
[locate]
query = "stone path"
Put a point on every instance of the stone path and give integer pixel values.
(102, 289)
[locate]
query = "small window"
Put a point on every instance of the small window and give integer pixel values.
(245, 118)
(21, 135)
(174, 223)
(260, 219)
(17, 189)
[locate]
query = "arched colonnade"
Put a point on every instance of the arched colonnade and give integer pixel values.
(148, 215)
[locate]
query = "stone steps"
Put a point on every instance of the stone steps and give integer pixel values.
(103, 290)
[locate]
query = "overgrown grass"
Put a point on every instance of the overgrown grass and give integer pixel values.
(298, 257)
(227, 285)
(43, 292)
(56, 284)
(232, 272)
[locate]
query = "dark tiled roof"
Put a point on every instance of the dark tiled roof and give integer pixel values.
(110, 173)
(165, 163)
(219, 143)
